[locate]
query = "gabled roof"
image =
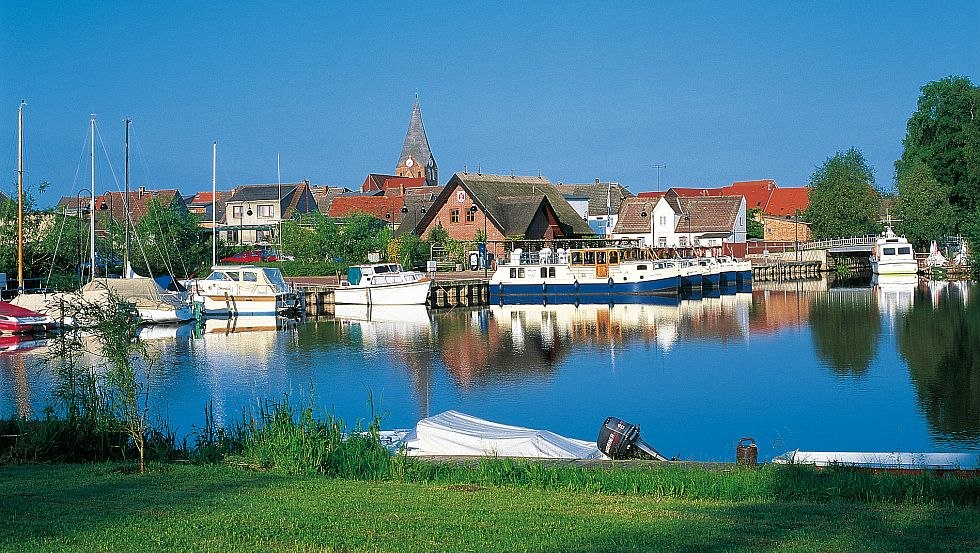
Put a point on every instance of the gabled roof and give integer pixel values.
(113, 204)
(517, 212)
(418, 202)
(324, 196)
(596, 192)
(651, 195)
(691, 192)
(631, 218)
(785, 201)
(495, 195)
(416, 143)
(376, 181)
(709, 214)
(262, 192)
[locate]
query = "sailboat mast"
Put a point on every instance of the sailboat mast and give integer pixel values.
(20, 197)
(91, 205)
(126, 206)
(214, 211)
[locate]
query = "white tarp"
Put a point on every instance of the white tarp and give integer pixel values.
(454, 433)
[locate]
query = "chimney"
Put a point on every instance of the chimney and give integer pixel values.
(597, 181)
(141, 191)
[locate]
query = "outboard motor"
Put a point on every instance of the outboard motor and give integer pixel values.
(619, 439)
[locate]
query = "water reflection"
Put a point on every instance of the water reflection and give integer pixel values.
(939, 338)
(846, 326)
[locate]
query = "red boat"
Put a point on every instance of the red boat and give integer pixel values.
(18, 320)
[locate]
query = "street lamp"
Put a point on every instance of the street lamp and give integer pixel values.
(473, 210)
(690, 238)
(648, 213)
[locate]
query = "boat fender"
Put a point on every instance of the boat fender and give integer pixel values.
(610, 281)
(576, 285)
(544, 287)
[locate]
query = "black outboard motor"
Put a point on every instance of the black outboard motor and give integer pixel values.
(619, 439)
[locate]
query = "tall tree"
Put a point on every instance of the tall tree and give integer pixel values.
(923, 206)
(168, 241)
(843, 198)
(944, 134)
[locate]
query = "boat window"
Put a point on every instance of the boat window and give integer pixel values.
(589, 258)
(576, 258)
(600, 258)
(395, 268)
(381, 269)
(233, 275)
(520, 273)
(613, 257)
(274, 276)
(905, 251)
(249, 276)
(544, 272)
(513, 272)
(888, 251)
(641, 267)
(551, 272)
(218, 275)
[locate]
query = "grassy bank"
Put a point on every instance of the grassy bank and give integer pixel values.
(223, 507)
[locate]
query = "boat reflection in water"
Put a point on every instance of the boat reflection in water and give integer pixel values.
(895, 294)
(379, 324)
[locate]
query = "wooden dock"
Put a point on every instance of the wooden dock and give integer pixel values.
(444, 293)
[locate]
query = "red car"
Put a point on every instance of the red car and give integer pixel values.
(251, 256)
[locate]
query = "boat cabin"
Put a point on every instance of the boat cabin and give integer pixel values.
(382, 273)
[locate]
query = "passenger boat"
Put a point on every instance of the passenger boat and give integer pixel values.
(710, 272)
(690, 273)
(582, 275)
(19, 320)
(383, 284)
(893, 255)
(245, 290)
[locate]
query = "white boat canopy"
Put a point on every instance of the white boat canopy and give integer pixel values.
(457, 434)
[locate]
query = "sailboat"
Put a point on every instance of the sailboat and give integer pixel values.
(152, 302)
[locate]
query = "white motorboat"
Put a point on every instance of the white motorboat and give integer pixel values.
(245, 290)
(893, 255)
(383, 284)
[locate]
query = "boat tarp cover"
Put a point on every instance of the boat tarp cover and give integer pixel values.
(142, 291)
(353, 276)
(458, 434)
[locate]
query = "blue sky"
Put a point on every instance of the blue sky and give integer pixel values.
(576, 91)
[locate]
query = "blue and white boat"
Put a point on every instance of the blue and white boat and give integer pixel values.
(710, 272)
(690, 272)
(586, 275)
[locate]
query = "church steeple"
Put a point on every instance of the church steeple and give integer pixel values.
(416, 159)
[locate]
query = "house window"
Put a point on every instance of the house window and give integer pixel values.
(663, 220)
(470, 216)
(454, 216)
(262, 235)
(265, 211)
(683, 241)
(662, 242)
(236, 212)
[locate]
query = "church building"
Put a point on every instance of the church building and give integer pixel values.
(416, 160)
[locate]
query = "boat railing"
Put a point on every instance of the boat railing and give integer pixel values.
(533, 258)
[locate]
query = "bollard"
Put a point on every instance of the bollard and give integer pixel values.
(746, 452)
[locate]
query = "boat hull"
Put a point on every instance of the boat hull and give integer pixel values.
(412, 293)
(710, 280)
(605, 290)
(909, 267)
(233, 305)
(692, 281)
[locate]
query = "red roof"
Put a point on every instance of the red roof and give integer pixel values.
(785, 201)
(651, 195)
(691, 192)
(757, 192)
(397, 185)
(386, 208)
(201, 198)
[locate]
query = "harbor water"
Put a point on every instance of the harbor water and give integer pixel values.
(854, 366)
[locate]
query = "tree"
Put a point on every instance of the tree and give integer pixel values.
(843, 198)
(944, 134)
(923, 206)
(361, 234)
(753, 226)
(311, 238)
(167, 240)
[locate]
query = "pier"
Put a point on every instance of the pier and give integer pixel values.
(786, 270)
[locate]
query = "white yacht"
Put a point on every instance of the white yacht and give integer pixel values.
(153, 303)
(383, 284)
(245, 290)
(893, 255)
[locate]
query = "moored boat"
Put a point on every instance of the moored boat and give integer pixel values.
(690, 273)
(245, 290)
(582, 275)
(893, 255)
(153, 303)
(383, 284)
(710, 272)
(19, 320)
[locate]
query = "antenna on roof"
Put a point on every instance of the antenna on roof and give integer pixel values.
(658, 167)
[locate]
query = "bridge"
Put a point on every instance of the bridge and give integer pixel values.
(843, 246)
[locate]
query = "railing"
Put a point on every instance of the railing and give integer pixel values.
(867, 240)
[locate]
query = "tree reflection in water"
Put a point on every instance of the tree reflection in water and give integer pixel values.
(846, 326)
(939, 338)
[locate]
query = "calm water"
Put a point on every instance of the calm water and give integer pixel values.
(799, 365)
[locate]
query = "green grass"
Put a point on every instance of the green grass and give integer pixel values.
(97, 507)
